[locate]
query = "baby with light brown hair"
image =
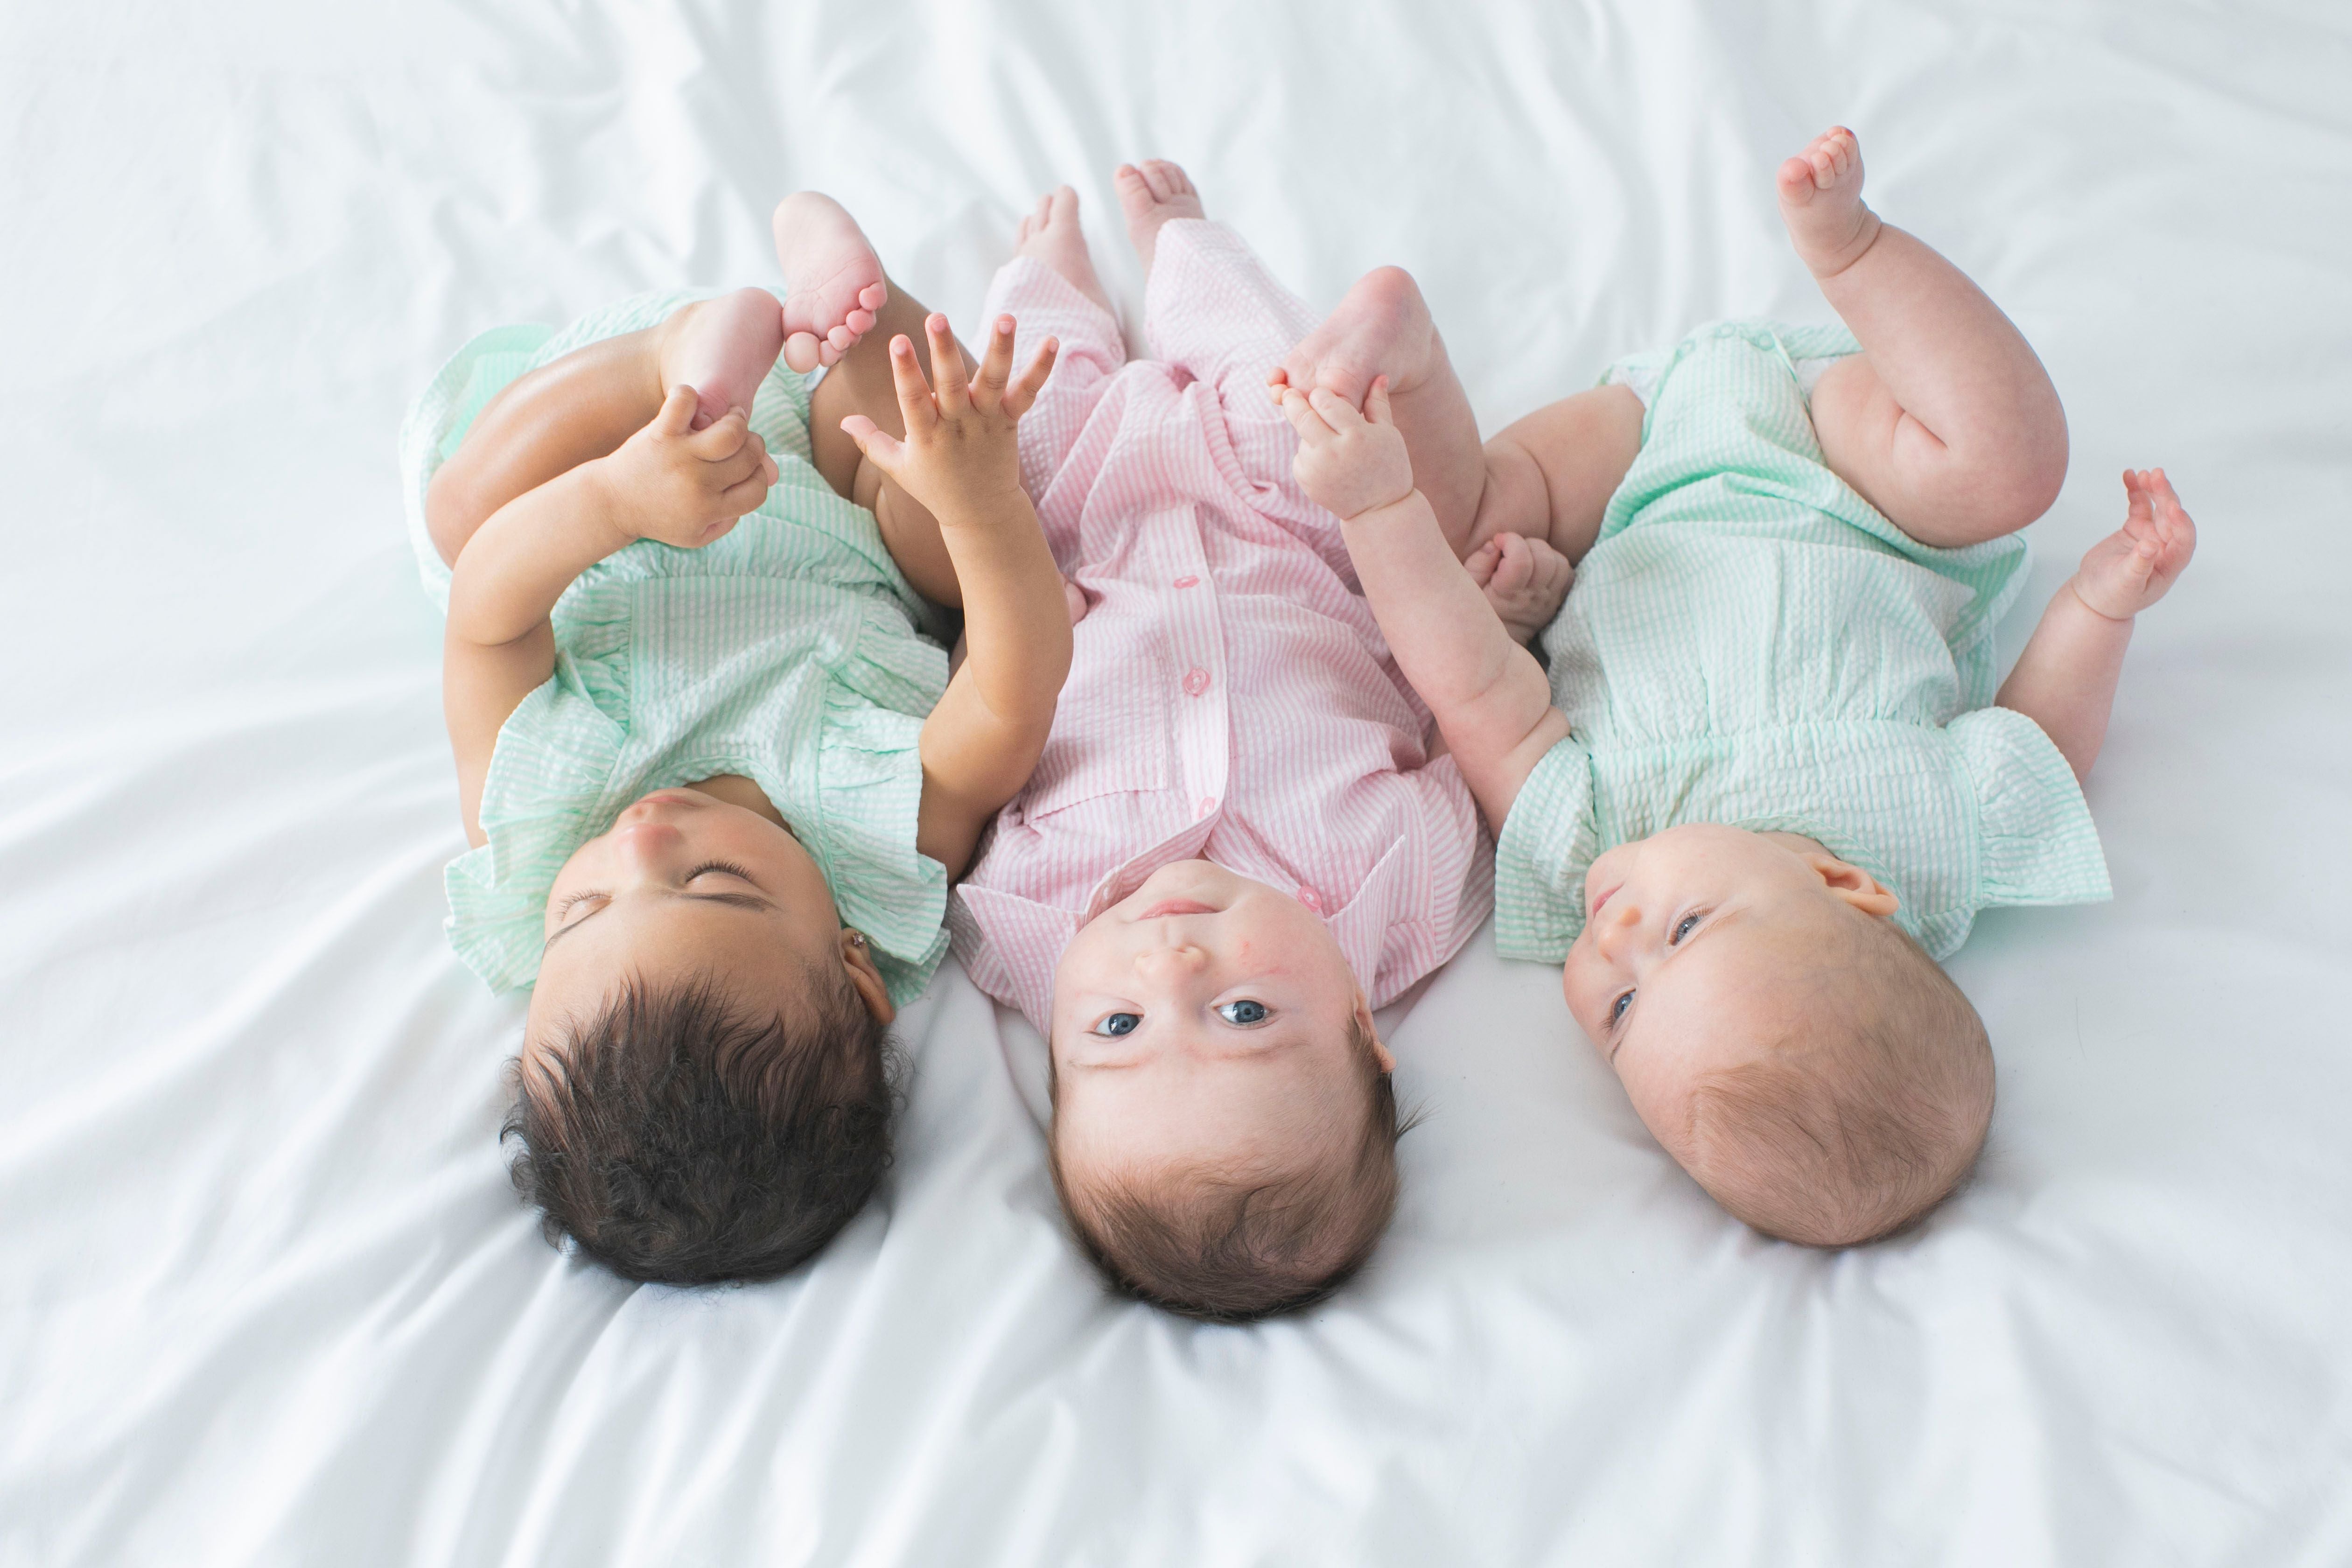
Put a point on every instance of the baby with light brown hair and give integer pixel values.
(1768, 782)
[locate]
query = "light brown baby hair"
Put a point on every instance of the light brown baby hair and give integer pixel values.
(1864, 1122)
(1232, 1247)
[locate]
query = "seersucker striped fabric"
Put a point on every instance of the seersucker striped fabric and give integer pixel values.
(1750, 642)
(785, 652)
(1230, 697)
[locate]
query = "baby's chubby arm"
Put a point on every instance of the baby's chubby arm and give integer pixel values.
(960, 458)
(1489, 696)
(2065, 679)
(668, 481)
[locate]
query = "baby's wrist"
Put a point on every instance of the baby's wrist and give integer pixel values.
(606, 518)
(1389, 505)
(2074, 586)
(994, 510)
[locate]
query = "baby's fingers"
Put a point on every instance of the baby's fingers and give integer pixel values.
(914, 392)
(995, 365)
(1304, 419)
(879, 444)
(747, 459)
(724, 438)
(2172, 520)
(676, 415)
(947, 365)
(1024, 392)
(744, 496)
(1516, 563)
(1376, 403)
(1336, 411)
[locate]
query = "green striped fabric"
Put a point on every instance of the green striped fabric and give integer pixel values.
(1750, 642)
(786, 652)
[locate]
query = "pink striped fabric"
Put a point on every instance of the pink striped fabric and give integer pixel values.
(1230, 698)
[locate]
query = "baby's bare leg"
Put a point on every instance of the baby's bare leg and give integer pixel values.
(1549, 479)
(585, 404)
(1383, 328)
(1550, 476)
(1946, 421)
(825, 255)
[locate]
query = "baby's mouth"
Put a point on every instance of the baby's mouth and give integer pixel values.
(1167, 907)
(1594, 913)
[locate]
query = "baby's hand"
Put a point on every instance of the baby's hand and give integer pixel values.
(1525, 579)
(961, 447)
(686, 487)
(1348, 463)
(2132, 568)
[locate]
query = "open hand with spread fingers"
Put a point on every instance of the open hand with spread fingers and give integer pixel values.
(960, 456)
(2135, 566)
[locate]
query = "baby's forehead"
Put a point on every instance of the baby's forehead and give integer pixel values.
(1740, 983)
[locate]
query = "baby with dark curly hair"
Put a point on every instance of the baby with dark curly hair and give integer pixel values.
(716, 780)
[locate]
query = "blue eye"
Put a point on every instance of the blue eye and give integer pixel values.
(1682, 928)
(1617, 1009)
(1118, 1023)
(1242, 1013)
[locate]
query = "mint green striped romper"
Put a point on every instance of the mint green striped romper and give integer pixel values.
(1749, 642)
(786, 652)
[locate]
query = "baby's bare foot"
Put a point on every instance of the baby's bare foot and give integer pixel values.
(1052, 235)
(1151, 193)
(1381, 328)
(837, 282)
(722, 348)
(1821, 200)
(1525, 579)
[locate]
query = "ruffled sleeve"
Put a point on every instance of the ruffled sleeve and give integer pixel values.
(547, 793)
(860, 823)
(2036, 843)
(1546, 842)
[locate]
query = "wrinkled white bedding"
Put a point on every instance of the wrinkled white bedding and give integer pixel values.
(265, 1296)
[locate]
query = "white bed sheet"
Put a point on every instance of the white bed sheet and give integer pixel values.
(265, 1296)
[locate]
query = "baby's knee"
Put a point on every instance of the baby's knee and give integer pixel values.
(451, 515)
(2014, 486)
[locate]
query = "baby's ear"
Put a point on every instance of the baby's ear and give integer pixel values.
(1367, 1029)
(1855, 886)
(857, 957)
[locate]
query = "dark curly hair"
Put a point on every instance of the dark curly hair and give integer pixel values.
(679, 1138)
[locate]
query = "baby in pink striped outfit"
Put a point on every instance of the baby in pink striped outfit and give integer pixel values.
(1239, 841)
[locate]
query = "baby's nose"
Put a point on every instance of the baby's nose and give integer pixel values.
(1621, 916)
(1185, 959)
(645, 843)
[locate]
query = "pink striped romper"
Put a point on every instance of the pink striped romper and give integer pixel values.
(1230, 698)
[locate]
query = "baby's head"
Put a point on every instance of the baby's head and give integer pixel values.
(704, 1090)
(1800, 1056)
(1225, 1129)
